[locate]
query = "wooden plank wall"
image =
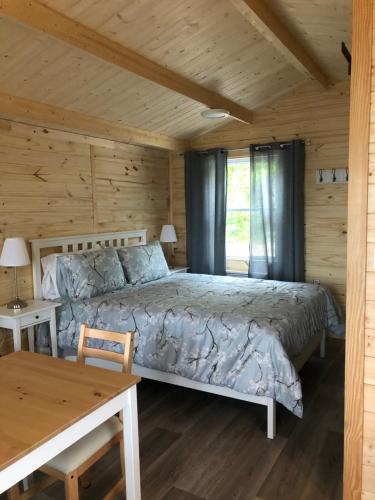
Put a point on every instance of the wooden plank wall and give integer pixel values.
(131, 189)
(368, 472)
(55, 183)
(321, 118)
(178, 214)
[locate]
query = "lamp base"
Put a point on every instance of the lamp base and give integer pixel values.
(16, 304)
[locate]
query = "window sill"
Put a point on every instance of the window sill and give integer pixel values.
(238, 274)
(237, 259)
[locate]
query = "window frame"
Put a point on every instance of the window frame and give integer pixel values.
(238, 155)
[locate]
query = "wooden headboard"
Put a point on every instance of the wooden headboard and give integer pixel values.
(65, 244)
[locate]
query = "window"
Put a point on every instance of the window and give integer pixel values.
(238, 214)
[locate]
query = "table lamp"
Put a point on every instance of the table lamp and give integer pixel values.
(15, 255)
(168, 235)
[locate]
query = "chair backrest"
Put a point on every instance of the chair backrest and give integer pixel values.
(126, 339)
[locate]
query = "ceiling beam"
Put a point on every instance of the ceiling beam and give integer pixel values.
(43, 18)
(40, 114)
(261, 16)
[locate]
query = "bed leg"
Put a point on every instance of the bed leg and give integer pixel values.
(271, 418)
(323, 345)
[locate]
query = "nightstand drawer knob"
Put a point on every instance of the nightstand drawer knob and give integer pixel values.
(37, 317)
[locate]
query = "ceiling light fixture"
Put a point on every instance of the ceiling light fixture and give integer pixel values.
(213, 114)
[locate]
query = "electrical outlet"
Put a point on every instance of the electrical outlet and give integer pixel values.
(316, 281)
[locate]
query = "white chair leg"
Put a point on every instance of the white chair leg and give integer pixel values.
(25, 483)
(323, 345)
(30, 335)
(271, 418)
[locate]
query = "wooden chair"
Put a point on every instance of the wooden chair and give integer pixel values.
(76, 460)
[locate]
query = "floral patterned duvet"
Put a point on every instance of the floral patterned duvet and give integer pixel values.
(239, 333)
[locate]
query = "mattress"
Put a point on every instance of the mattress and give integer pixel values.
(239, 333)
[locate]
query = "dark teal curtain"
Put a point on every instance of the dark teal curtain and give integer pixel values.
(206, 195)
(277, 211)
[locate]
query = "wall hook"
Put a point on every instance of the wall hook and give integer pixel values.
(332, 175)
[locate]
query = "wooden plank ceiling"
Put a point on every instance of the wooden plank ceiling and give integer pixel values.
(322, 25)
(207, 41)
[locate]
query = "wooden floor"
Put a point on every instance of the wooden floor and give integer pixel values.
(196, 446)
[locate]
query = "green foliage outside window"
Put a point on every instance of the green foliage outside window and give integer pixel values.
(238, 208)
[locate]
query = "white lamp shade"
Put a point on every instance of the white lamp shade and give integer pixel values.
(14, 253)
(168, 234)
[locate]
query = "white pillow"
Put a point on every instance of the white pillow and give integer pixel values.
(49, 282)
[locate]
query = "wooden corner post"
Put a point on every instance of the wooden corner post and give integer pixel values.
(360, 105)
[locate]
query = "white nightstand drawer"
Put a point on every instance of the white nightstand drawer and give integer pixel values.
(34, 319)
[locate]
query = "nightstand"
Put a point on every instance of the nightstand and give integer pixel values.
(36, 312)
(177, 269)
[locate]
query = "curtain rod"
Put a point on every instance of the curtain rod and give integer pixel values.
(268, 146)
(282, 144)
(261, 146)
(247, 150)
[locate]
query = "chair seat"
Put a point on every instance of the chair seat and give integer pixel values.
(77, 454)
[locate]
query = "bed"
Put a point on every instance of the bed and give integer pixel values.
(236, 337)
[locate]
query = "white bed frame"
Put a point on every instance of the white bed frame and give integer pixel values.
(129, 238)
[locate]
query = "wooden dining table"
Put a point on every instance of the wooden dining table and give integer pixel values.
(47, 404)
